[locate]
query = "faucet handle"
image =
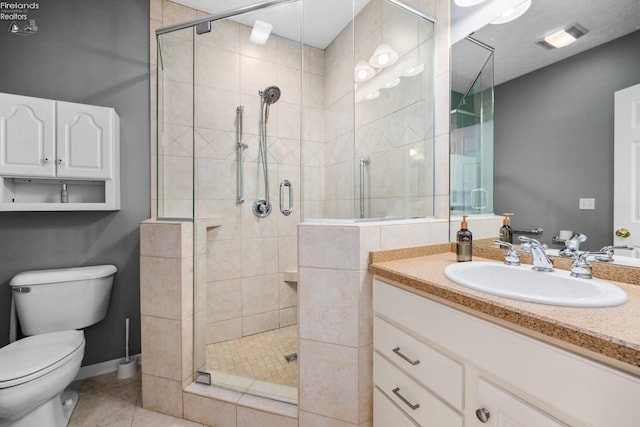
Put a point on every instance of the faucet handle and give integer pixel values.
(511, 256)
(609, 252)
(581, 267)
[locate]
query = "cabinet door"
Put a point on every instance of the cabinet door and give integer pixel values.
(386, 414)
(501, 409)
(27, 135)
(85, 141)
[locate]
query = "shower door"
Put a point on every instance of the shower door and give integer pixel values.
(246, 150)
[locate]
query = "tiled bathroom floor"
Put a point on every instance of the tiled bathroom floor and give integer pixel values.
(259, 356)
(106, 401)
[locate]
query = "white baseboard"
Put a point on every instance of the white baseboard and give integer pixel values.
(102, 368)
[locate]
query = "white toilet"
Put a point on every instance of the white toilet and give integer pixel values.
(34, 371)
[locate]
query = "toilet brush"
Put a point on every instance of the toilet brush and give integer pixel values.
(127, 366)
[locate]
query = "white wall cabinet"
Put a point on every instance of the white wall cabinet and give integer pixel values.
(45, 143)
(477, 373)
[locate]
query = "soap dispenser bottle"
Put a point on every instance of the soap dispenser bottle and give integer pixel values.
(464, 239)
(506, 233)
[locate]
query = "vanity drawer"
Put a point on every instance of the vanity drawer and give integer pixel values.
(420, 404)
(386, 414)
(440, 374)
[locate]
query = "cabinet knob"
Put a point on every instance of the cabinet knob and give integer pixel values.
(483, 414)
(46, 160)
(60, 161)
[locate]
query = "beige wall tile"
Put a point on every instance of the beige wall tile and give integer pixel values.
(328, 247)
(224, 330)
(288, 294)
(365, 383)
(155, 10)
(187, 349)
(329, 305)
(160, 287)
(173, 13)
(405, 235)
(161, 347)
(288, 316)
(365, 308)
(224, 300)
(287, 410)
(145, 418)
(162, 395)
(260, 294)
(309, 419)
(259, 256)
(328, 380)
(248, 417)
(211, 412)
(260, 322)
(224, 259)
(167, 240)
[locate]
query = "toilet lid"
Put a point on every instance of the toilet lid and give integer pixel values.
(34, 356)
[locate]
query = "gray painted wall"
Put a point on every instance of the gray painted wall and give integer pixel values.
(94, 52)
(554, 141)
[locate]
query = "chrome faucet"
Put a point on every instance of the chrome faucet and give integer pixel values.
(572, 245)
(581, 267)
(541, 262)
(511, 257)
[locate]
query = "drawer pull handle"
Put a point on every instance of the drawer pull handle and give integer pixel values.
(397, 351)
(483, 415)
(396, 391)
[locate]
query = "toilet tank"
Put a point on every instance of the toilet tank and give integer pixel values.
(62, 299)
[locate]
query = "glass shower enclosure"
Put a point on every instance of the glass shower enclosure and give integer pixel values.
(471, 134)
(276, 113)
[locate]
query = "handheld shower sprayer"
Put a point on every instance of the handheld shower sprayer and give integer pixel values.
(271, 95)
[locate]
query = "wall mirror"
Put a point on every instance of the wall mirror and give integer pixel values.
(535, 125)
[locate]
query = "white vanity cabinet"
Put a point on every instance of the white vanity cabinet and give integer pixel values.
(485, 374)
(46, 143)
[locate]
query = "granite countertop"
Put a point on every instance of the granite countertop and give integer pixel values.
(609, 335)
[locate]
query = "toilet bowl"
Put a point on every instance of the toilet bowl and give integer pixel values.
(33, 371)
(52, 306)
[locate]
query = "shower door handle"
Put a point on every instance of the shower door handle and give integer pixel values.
(286, 211)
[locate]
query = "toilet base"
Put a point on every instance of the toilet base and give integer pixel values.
(54, 413)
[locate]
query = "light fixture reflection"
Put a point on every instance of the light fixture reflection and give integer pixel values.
(467, 3)
(363, 71)
(372, 95)
(414, 71)
(383, 56)
(513, 13)
(260, 32)
(393, 83)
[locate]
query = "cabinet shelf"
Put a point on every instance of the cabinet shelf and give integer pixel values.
(46, 143)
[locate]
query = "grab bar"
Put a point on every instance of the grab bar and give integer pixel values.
(366, 160)
(286, 212)
(533, 232)
(240, 146)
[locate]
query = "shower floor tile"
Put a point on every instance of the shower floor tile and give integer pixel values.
(260, 356)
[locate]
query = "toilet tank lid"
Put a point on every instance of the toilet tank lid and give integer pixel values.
(57, 275)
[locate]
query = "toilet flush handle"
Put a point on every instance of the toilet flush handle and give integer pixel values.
(22, 290)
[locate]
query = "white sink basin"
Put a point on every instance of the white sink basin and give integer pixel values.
(523, 283)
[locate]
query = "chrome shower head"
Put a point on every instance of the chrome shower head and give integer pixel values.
(271, 94)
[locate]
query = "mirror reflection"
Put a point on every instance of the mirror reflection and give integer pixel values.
(545, 151)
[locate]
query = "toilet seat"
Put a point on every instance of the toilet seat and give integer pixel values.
(32, 357)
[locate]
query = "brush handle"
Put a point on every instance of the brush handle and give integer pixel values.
(126, 343)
